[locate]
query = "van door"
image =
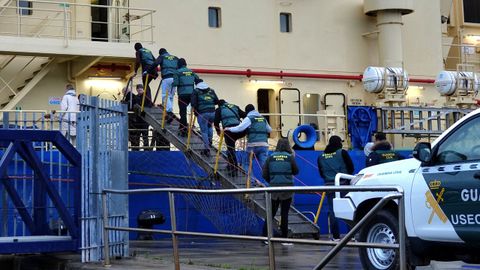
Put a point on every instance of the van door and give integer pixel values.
(446, 192)
(289, 104)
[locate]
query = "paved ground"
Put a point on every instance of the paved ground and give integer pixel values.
(206, 254)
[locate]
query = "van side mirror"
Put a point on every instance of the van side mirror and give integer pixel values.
(423, 152)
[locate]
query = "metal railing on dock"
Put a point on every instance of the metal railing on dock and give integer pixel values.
(394, 193)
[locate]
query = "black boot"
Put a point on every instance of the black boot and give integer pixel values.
(206, 152)
(170, 117)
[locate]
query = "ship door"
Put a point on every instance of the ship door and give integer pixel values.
(289, 110)
(110, 21)
(100, 20)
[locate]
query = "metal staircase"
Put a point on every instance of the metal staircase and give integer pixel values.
(19, 75)
(299, 225)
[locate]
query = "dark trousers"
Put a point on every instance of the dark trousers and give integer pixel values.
(230, 139)
(133, 135)
(334, 228)
(285, 207)
(183, 101)
(141, 131)
(148, 94)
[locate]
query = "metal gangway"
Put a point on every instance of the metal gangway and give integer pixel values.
(417, 121)
(192, 145)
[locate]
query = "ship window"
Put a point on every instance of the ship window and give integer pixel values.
(25, 7)
(285, 22)
(471, 11)
(214, 17)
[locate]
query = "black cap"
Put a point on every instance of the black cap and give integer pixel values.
(182, 63)
(380, 136)
(335, 140)
(249, 108)
(162, 51)
(138, 46)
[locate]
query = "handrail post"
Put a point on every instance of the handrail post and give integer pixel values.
(164, 115)
(106, 242)
(190, 127)
(269, 220)
(249, 173)
(319, 208)
(215, 169)
(145, 93)
(401, 232)
(173, 221)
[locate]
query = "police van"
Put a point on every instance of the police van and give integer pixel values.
(442, 201)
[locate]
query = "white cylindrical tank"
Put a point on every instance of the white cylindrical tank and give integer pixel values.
(374, 78)
(446, 82)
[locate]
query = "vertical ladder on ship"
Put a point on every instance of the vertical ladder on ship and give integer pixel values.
(418, 121)
(299, 225)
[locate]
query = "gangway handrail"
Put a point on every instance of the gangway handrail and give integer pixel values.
(396, 193)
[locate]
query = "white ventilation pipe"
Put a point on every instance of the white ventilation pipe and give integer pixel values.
(389, 23)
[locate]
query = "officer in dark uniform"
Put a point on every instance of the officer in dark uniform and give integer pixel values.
(381, 151)
(332, 161)
(258, 129)
(203, 102)
(145, 58)
(168, 67)
(184, 79)
(229, 115)
(279, 169)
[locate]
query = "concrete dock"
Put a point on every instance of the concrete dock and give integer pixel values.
(206, 254)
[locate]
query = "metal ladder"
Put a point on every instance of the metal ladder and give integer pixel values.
(418, 121)
(299, 225)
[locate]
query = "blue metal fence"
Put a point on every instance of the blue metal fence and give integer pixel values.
(102, 133)
(39, 187)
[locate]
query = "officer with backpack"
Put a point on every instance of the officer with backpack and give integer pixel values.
(229, 115)
(168, 67)
(145, 59)
(258, 129)
(184, 80)
(203, 103)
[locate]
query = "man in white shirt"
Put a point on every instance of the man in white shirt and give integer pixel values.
(69, 107)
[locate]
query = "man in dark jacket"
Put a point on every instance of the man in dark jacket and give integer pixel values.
(279, 169)
(203, 102)
(140, 126)
(381, 151)
(229, 115)
(145, 59)
(184, 79)
(333, 160)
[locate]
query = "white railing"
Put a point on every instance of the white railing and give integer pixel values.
(73, 21)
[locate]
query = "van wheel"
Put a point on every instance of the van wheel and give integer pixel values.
(383, 228)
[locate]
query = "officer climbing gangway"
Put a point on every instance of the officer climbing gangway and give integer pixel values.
(217, 166)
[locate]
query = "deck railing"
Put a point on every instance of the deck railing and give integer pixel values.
(76, 21)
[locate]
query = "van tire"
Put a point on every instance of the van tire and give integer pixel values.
(382, 228)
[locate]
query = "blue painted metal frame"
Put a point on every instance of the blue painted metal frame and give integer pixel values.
(21, 142)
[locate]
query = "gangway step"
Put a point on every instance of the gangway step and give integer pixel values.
(300, 226)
